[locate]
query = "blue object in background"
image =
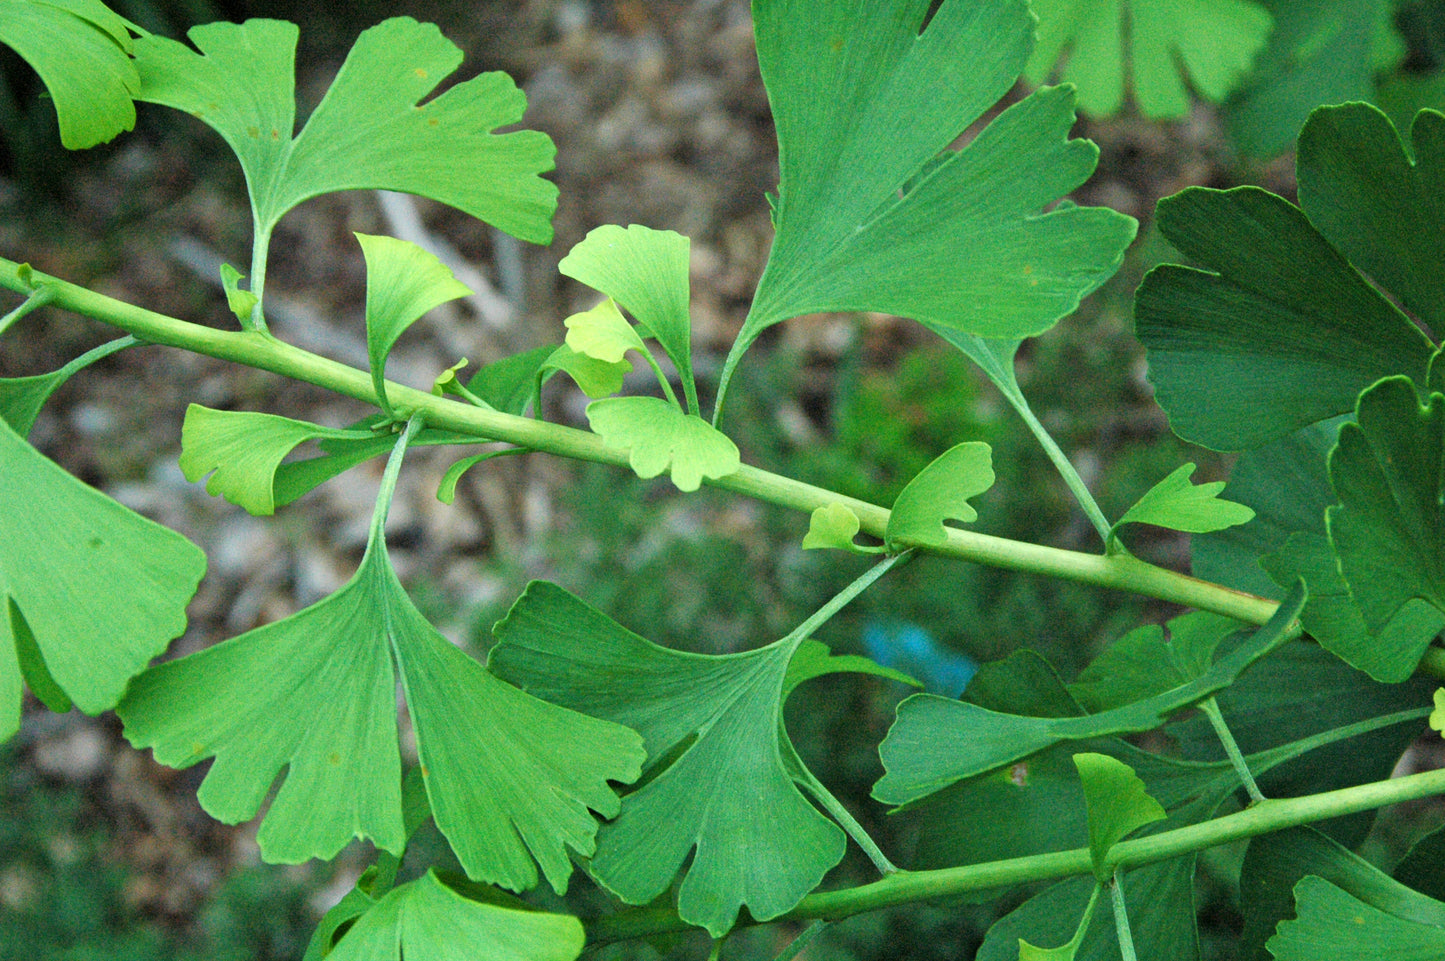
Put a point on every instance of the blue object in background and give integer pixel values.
(909, 648)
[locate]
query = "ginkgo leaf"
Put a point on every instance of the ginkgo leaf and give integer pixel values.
(244, 450)
(1281, 329)
(1211, 42)
(602, 333)
(597, 378)
(91, 590)
(1389, 527)
(726, 796)
(21, 398)
(1118, 804)
(876, 213)
(940, 493)
(81, 49)
(1330, 924)
(815, 659)
(646, 271)
(1437, 716)
(936, 741)
(834, 526)
(509, 778)
(370, 131)
(1144, 663)
(1181, 506)
(403, 282)
(658, 437)
(427, 918)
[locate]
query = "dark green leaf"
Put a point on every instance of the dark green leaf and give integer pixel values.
(936, 741)
(1278, 331)
(1142, 663)
(1333, 926)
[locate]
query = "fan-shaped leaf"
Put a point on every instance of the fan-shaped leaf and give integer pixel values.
(834, 526)
(403, 282)
(874, 212)
(370, 131)
(602, 333)
(1118, 804)
(82, 52)
(646, 271)
(1211, 42)
(1179, 505)
(940, 493)
(92, 590)
(723, 792)
(658, 437)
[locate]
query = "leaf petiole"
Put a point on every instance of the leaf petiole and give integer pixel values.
(388, 480)
(1210, 707)
(1121, 917)
(39, 296)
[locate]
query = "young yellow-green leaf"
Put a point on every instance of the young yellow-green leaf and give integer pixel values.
(937, 741)
(427, 918)
(834, 526)
(940, 493)
(90, 590)
(509, 778)
(1211, 42)
(876, 212)
(602, 333)
(81, 50)
(370, 131)
(403, 282)
(1118, 805)
(597, 378)
(658, 437)
(1389, 527)
(1280, 329)
(726, 797)
(244, 450)
(646, 271)
(1181, 506)
(241, 302)
(1331, 924)
(1437, 716)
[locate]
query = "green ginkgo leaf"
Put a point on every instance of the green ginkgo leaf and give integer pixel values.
(403, 282)
(597, 378)
(1281, 328)
(1437, 716)
(659, 437)
(937, 741)
(940, 493)
(602, 333)
(875, 212)
(1118, 804)
(81, 49)
(1210, 42)
(370, 131)
(509, 778)
(724, 792)
(427, 918)
(646, 271)
(1331, 924)
(245, 449)
(21, 398)
(1181, 506)
(1389, 527)
(90, 591)
(834, 526)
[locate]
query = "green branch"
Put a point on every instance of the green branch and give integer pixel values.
(261, 350)
(907, 887)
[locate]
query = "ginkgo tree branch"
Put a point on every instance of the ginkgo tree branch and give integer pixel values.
(907, 887)
(263, 351)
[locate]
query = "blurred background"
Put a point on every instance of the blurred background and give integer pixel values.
(660, 119)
